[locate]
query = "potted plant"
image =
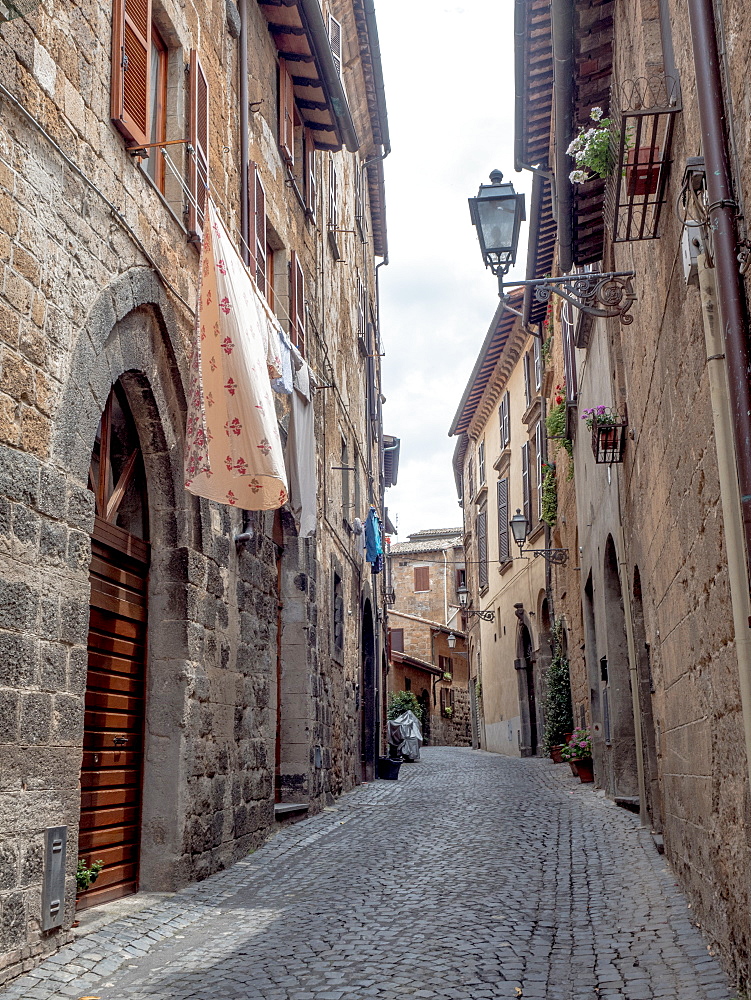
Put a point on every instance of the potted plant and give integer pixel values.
(448, 711)
(447, 676)
(591, 149)
(607, 429)
(86, 876)
(579, 751)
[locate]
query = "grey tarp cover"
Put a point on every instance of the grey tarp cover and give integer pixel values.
(405, 734)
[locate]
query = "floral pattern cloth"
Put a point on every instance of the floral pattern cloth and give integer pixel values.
(233, 450)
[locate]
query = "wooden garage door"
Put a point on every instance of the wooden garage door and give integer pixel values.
(111, 771)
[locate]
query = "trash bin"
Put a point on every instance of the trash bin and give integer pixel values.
(388, 769)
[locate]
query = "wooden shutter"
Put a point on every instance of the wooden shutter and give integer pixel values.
(257, 227)
(131, 67)
(335, 37)
(286, 114)
(471, 480)
(569, 352)
(526, 495)
(311, 193)
(297, 302)
(443, 700)
(397, 640)
(538, 467)
(538, 362)
(333, 197)
(422, 578)
(503, 552)
(527, 380)
(199, 139)
(482, 548)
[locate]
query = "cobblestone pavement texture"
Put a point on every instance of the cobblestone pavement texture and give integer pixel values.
(474, 877)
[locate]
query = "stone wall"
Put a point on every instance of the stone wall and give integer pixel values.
(98, 285)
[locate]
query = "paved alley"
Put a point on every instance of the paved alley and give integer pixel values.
(476, 876)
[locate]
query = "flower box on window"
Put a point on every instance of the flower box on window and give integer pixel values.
(608, 429)
(640, 142)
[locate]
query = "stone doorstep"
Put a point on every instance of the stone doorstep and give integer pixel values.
(283, 810)
(97, 917)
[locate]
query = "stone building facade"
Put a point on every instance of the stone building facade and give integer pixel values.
(663, 589)
(499, 466)
(234, 667)
(430, 660)
(426, 574)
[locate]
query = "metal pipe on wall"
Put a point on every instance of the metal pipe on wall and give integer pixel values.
(244, 127)
(722, 223)
(729, 492)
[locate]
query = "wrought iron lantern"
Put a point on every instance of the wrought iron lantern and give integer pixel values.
(451, 640)
(520, 529)
(462, 593)
(497, 213)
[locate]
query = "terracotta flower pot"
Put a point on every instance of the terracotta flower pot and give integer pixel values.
(572, 765)
(642, 172)
(555, 754)
(585, 770)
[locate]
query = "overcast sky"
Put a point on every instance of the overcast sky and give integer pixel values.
(449, 73)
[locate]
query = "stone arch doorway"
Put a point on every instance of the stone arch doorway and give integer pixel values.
(646, 689)
(114, 720)
(525, 666)
(618, 712)
(369, 711)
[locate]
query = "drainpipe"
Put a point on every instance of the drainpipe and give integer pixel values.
(445, 590)
(563, 96)
(722, 215)
(729, 492)
(244, 127)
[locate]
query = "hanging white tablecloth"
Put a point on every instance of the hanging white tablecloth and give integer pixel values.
(233, 451)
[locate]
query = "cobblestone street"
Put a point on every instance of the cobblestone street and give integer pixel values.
(474, 876)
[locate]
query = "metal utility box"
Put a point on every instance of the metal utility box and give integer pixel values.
(53, 888)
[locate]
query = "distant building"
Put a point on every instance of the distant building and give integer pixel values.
(498, 464)
(424, 575)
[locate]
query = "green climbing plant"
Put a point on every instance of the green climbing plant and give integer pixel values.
(403, 701)
(559, 716)
(549, 495)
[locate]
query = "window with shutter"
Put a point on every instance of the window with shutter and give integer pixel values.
(538, 467)
(311, 193)
(286, 114)
(526, 492)
(481, 463)
(442, 699)
(199, 141)
(154, 164)
(505, 420)
(444, 663)
(297, 302)
(461, 578)
(482, 548)
(537, 355)
(397, 640)
(471, 479)
(503, 519)
(257, 228)
(527, 380)
(335, 38)
(131, 59)
(569, 352)
(422, 578)
(333, 198)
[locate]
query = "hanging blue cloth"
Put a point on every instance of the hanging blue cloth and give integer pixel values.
(373, 543)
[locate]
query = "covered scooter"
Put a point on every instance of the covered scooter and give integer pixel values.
(405, 736)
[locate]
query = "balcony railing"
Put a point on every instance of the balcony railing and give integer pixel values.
(640, 152)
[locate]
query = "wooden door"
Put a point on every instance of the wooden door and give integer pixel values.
(115, 692)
